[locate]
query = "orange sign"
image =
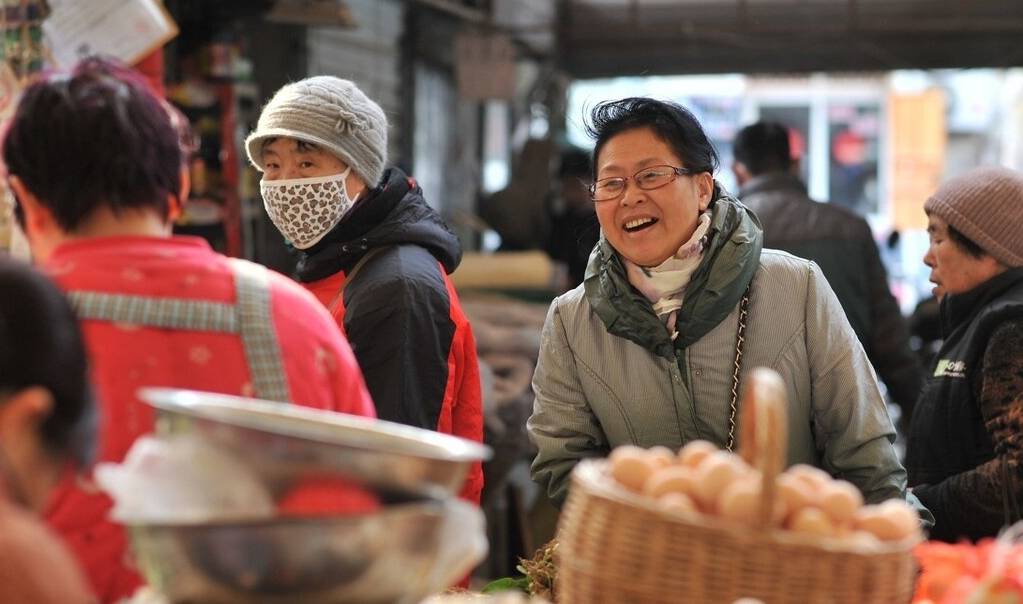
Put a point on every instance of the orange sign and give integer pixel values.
(917, 124)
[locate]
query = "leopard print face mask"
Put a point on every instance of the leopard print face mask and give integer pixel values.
(306, 209)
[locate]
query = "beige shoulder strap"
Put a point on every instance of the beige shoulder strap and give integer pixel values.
(251, 317)
(338, 299)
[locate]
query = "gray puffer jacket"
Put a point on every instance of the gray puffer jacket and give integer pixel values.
(609, 374)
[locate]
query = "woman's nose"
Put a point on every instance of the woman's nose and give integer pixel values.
(929, 258)
(631, 195)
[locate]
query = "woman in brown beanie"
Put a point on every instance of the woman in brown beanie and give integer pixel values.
(965, 450)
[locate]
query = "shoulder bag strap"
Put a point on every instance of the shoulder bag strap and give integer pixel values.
(350, 275)
(740, 342)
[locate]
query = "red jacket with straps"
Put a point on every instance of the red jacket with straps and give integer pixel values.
(314, 364)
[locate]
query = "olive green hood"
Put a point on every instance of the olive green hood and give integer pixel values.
(729, 261)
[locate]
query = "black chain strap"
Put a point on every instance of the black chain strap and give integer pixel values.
(740, 340)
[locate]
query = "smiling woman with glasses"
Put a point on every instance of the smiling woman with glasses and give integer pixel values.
(679, 304)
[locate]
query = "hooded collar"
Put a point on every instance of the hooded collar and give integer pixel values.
(730, 259)
(393, 213)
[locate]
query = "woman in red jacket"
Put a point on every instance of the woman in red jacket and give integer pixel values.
(96, 166)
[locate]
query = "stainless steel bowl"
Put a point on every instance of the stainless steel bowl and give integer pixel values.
(397, 555)
(286, 443)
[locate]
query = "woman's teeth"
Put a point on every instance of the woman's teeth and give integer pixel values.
(632, 225)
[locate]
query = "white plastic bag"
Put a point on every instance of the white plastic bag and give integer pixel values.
(182, 479)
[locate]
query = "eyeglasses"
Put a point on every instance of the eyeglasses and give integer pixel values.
(653, 177)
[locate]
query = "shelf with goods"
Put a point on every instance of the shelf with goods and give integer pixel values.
(212, 90)
(22, 53)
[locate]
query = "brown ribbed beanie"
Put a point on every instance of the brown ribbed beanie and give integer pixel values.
(985, 205)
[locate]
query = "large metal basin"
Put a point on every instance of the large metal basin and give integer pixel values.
(399, 555)
(287, 444)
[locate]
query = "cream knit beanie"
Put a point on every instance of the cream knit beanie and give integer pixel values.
(985, 205)
(331, 113)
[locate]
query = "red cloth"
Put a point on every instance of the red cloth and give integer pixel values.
(461, 409)
(320, 368)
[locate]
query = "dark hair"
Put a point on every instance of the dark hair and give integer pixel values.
(574, 162)
(763, 147)
(188, 140)
(671, 122)
(965, 243)
(41, 345)
(302, 145)
(95, 136)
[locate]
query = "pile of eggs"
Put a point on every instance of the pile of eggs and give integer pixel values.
(704, 479)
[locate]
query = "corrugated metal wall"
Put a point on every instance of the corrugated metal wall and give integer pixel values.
(369, 55)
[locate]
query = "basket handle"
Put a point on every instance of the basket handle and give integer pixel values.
(763, 433)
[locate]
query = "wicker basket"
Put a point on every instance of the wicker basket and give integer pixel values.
(617, 547)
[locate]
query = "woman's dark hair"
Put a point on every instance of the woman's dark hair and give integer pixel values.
(40, 345)
(965, 243)
(94, 136)
(671, 122)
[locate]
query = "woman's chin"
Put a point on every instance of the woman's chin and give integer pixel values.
(647, 260)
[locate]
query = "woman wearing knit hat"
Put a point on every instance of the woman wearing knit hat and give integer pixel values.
(373, 251)
(965, 451)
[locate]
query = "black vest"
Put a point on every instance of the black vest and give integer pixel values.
(947, 435)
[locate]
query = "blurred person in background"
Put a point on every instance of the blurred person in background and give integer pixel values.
(842, 245)
(965, 449)
(574, 229)
(96, 167)
(677, 293)
(46, 424)
(373, 252)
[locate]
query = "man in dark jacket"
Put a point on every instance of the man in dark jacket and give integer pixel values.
(839, 241)
(373, 251)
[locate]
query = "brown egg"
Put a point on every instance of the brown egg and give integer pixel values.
(675, 479)
(796, 493)
(878, 522)
(694, 452)
(815, 478)
(861, 540)
(677, 503)
(713, 476)
(740, 501)
(903, 515)
(631, 467)
(811, 521)
(840, 500)
(661, 456)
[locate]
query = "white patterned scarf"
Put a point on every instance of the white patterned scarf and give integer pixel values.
(664, 285)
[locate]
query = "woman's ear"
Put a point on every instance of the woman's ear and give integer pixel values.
(36, 214)
(39, 219)
(40, 226)
(29, 470)
(704, 189)
(23, 412)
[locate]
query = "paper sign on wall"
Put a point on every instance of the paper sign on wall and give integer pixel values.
(485, 65)
(126, 29)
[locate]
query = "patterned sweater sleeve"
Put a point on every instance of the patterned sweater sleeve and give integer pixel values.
(972, 503)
